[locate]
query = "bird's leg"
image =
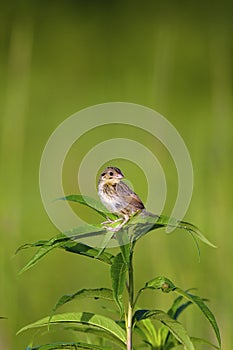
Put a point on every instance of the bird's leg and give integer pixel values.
(110, 221)
(117, 228)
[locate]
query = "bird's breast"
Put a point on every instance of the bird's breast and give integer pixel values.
(110, 198)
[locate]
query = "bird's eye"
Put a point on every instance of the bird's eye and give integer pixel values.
(111, 173)
(103, 174)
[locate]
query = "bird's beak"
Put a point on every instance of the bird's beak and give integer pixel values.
(120, 176)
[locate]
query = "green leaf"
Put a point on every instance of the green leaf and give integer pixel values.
(106, 239)
(143, 222)
(101, 322)
(118, 276)
(97, 293)
(73, 345)
(159, 282)
(138, 226)
(198, 341)
(146, 222)
(178, 307)
(167, 286)
(203, 341)
(164, 334)
(83, 249)
(195, 230)
(205, 310)
(44, 249)
(125, 245)
(92, 330)
(91, 203)
(147, 332)
(175, 327)
(67, 243)
(85, 231)
(166, 338)
(31, 245)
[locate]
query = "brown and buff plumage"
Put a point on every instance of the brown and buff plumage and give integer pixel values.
(117, 197)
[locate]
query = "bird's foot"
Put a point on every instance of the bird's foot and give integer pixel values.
(109, 221)
(116, 228)
(113, 229)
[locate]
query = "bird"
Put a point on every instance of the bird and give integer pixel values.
(117, 197)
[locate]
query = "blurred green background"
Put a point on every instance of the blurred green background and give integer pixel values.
(59, 57)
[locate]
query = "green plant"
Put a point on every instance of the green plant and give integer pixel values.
(132, 319)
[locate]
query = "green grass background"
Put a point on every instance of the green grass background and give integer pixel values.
(59, 57)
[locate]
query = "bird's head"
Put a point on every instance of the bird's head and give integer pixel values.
(111, 175)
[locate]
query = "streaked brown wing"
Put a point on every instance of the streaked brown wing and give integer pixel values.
(129, 196)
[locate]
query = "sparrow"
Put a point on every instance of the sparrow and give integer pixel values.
(117, 197)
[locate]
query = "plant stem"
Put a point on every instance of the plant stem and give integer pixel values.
(129, 328)
(131, 301)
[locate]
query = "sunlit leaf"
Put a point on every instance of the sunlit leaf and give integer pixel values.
(165, 335)
(43, 250)
(125, 246)
(118, 276)
(146, 222)
(105, 241)
(166, 285)
(205, 310)
(197, 341)
(138, 226)
(91, 203)
(177, 307)
(83, 249)
(159, 282)
(101, 322)
(147, 332)
(67, 243)
(97, 293)
(175, 327)
(97, 332)
(69, 346)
